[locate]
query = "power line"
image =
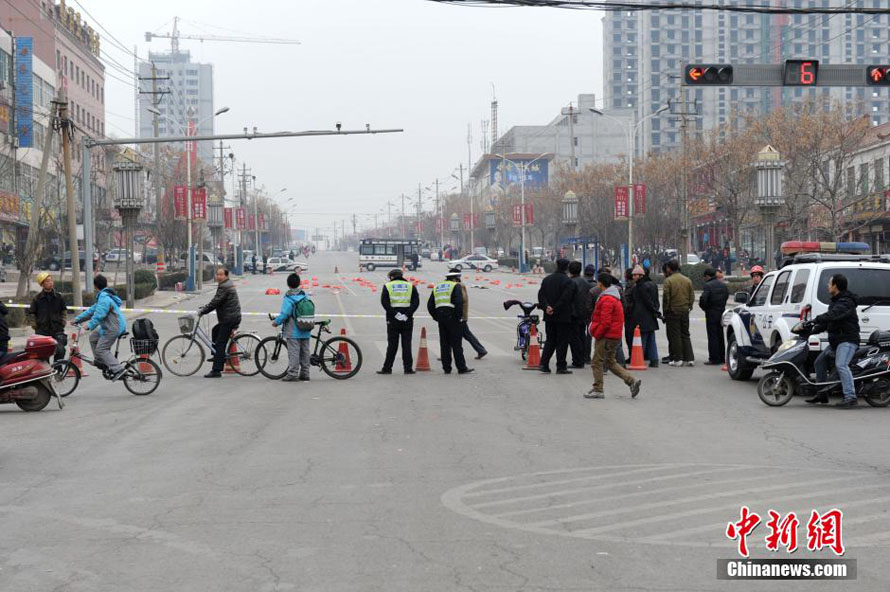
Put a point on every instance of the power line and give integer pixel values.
(120, 45)
(608, 6)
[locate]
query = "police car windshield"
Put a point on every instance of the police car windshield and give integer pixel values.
(871, 285)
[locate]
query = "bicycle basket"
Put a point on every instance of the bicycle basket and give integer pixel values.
(144, 347)
(186, 325)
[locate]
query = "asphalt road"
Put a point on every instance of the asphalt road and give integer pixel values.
(500, 480)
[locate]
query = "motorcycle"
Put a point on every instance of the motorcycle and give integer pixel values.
(788, 370)
(523, 329)
(26, 377)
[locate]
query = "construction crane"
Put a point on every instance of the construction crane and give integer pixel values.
(175, 36)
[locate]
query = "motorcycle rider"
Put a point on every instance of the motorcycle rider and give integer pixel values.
(842, 322)
(49, 314)
(105, 314)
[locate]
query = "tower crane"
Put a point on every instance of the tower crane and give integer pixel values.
(175, 36)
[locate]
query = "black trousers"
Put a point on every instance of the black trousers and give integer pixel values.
(471, 339)
(451, 344)
(220, 335)
(576, 343)
(397, 331)
(716, 343)
(679, 341)
(558, 337)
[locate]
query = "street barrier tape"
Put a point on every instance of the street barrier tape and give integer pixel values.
(263, 314)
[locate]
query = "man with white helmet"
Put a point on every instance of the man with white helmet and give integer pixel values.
(49, 313)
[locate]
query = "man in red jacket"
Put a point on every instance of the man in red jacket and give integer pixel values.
(607, 328)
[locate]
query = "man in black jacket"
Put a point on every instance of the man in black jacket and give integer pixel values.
(556, 298)
(590, 278)
(400, 301)
(842, 322)
(228, 318)
(580, 318)
(49, 314)
(645, 313)
(713, 301)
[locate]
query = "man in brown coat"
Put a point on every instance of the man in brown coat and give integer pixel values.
(481, 352)
(678, 299)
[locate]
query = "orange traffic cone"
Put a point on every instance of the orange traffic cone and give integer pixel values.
(343, 366)
(423, 356)
(534, 350)
(636, 352)
(233, 362)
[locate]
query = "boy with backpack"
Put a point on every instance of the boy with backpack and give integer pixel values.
(298, 316)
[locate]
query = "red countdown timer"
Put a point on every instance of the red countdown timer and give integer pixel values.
(801, 72)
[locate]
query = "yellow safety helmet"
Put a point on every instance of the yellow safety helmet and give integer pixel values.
(42, 277)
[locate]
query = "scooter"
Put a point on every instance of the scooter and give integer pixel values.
(788, 370)
(523, 329)
(26, 377)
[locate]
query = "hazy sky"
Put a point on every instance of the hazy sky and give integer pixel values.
(412, 64)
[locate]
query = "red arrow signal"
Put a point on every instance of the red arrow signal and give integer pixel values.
(696, 73)
(877, 74)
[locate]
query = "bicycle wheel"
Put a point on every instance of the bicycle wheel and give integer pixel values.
(271, 357)
(340, 357)
(182, 356)
(66, 377)
(142, 377)
(243, 357)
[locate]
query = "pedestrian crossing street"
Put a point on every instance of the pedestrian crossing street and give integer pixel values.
(676, 504)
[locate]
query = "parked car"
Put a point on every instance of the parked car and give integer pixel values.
(480, 262)
(284, 264)
(762, 322)
(425, 253)
(119, 255)
(54, 262)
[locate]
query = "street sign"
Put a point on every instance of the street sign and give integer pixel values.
(801, 72)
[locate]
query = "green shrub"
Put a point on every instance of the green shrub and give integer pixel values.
(145, 276)
(168, 281)
(508, 262)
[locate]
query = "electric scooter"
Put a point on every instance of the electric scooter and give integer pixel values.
(523, 329)
(26, 377)
(788, 370)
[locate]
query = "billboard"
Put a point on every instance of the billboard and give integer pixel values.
(24, 91)
(507, 172)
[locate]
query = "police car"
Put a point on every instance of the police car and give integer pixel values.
(799, 290)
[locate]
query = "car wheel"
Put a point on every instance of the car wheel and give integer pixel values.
(53, 266)
(735, 366)
(486, 268)
(458, 267)
(370, 267)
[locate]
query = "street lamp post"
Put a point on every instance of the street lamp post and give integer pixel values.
(570, 217)
(631, 133)
(770, 193)
(129, 201)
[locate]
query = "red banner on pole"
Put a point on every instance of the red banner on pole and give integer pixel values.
(263, 222)
(199, 203)
(251, 222)
(517, 215)
(440, 224)
(241, 218)
(621, 202)
(467, 221)
(419, 226)
(227, 218)
(640, 199)
(179, 202)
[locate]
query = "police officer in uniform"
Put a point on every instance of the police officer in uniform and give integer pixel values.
(446, 307)
(400, 300)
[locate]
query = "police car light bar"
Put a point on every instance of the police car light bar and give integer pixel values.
(798, 247)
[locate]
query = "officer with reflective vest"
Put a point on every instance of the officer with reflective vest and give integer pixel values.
(400, 300)
(446, 305)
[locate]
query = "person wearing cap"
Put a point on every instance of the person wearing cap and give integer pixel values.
(48, 313)
(445, 305)
(645, 312)
(400, 300)
(713, 301)
(756, 277)
(474, 342)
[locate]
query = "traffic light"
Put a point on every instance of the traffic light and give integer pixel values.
(878, 75)
(716, 74)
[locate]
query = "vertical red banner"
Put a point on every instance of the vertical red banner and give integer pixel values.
(517, 215)
(639, 199)
(529, 214)
(199, 203)
(179, 202)
(251, 222)
(467, 221)
(263, 222)
(227, 218)
(440, 224)
(621, 202)
(241, 218)
(419, 226)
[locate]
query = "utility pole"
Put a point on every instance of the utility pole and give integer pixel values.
(570, 112)
(402, 225)
(256, 218)
(417, 227)
(67, 128)
(684, 204)
(157, 95)
(441, 220)
(353, 224)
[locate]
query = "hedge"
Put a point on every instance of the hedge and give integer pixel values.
(145, 276)
(168, 281)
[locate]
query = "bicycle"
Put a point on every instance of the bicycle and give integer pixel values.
(141, 376)
(340, 357)
(183, 355)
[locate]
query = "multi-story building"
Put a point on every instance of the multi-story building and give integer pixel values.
(64, 58)
(644, 53)
(190, 97)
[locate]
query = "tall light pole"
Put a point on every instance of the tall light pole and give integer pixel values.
(631, 133)
(190, 131)
(522, 167)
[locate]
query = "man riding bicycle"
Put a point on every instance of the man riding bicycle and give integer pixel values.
(228, 315)
(105, 314)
